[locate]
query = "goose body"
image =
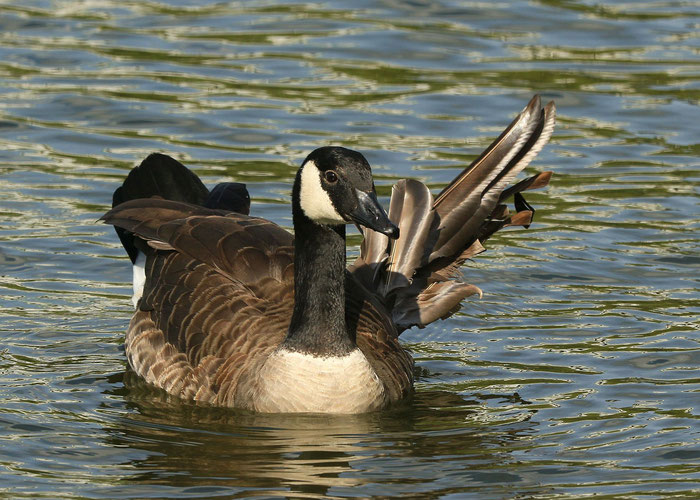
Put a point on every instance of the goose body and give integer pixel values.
(234, 310)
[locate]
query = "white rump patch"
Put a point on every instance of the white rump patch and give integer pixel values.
(314, 200)
(139, 278)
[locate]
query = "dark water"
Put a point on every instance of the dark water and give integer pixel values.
(576, 374)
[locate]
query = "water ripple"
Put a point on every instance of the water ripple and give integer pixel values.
(573, 376)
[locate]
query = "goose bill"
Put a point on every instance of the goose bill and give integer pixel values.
(369, 213)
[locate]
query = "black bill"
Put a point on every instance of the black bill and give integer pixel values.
(369, 213)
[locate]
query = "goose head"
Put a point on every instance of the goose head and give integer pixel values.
(334, 187)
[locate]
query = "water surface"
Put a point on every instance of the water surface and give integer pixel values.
(575, 375)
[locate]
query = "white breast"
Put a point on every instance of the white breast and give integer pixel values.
(294, 382)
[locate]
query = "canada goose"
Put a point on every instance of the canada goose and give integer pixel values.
(238, 312)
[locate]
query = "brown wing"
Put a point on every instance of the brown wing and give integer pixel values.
(218, 296)
(197, 330)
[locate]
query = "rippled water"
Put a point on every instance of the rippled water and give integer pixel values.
(575, 375)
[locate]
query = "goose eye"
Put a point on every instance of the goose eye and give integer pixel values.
(331, 176)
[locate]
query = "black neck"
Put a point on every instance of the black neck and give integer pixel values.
(318, 323)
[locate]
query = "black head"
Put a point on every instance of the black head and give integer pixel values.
(334, 186)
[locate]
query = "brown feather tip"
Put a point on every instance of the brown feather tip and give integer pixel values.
(523, 218)
(540, 181)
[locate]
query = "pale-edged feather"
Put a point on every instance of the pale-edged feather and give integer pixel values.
(467, 201)
(369, 266)
(410, 208)
(201, 233)
(437, 301)
(449, 268)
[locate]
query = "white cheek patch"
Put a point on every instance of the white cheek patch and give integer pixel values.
(314, 200)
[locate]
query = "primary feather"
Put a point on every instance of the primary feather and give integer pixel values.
(463, 215)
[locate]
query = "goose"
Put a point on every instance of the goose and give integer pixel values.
(233, 310)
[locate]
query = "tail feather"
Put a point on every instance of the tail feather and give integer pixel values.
(162, 176)
(232, 196)
(418, 273)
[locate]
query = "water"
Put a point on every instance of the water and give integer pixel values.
(575, 375)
